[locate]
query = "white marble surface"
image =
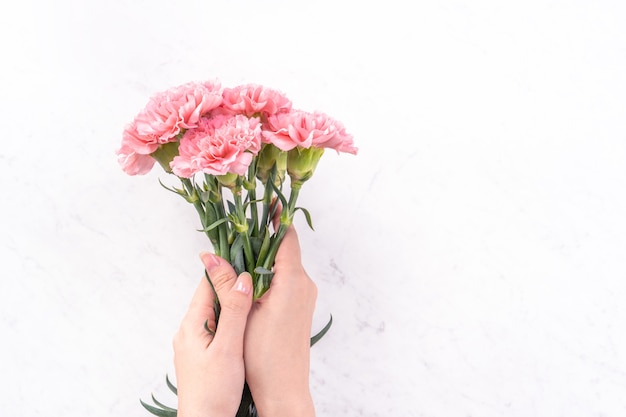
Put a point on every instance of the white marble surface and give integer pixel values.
(472, 254)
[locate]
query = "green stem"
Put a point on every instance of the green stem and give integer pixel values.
(200, 208)
(286, 218)
(243, 230)
(251, 188)
(224, 247)
(267, 202)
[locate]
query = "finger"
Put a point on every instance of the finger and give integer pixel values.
(235, 306)
(289, 249)
(220, 272)
(235, 298)
(200, 309)
(276, 208)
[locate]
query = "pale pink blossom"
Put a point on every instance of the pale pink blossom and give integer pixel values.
(132, 162)
(253, 99)
(304, 129)
(177, 108)
(141, 144)
(219, 145)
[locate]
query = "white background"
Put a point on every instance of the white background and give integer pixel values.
(472, 254)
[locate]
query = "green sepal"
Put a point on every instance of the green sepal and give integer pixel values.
(322, 332)
(239, 225)
(205, 196)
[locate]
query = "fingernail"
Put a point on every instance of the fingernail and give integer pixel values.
(243, 284)
(209, 259)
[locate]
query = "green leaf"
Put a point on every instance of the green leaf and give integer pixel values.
(163, 406)
(246, 406)
(256, 243)
(247, 203)
(237, 258)
(262, 271)
(307, 215)
(280, 195)
(175, 190)
(157, 411)
(216, 301)
(213, 225)
(265, 246)
(209, 214)
(322, 332)
(231, 207)
(170, 385)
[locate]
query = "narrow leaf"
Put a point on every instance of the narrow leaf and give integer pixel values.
(246, 406)
(279, 193)
(247, 203)
(213, 225)
(163, 406)
(322, 332)
(174, 190)
(262, 271)
(237, 256)
(170, 385)
(265, 246)
(157, 411)
(307, 215)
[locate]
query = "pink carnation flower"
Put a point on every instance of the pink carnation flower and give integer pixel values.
(304, 129)
(251, 99)
(134, 163)
(219, 145)
(139, 143)
(170, 111)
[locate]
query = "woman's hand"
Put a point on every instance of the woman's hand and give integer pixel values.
(209, 365)
(277, 339)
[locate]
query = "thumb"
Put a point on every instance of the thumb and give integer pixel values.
(235, 298)
(235, 306)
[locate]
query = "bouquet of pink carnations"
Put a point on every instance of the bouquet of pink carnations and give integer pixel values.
(235, 151)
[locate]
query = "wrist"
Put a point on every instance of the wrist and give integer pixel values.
(300, 406)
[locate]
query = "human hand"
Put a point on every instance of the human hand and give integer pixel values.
(277, 339)
(209, 367)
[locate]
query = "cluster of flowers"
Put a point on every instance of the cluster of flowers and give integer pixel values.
(214, 138)
(220, 130)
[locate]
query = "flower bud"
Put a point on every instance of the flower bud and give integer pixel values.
(268, 156)
(228, 180)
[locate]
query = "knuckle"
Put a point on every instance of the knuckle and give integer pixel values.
(235, 305)
(221, 277)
